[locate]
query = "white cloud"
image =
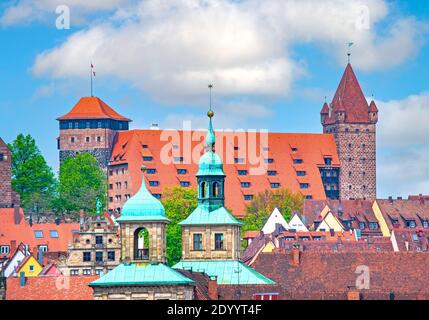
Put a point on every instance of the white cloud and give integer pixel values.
(403, 140)
(172, 49)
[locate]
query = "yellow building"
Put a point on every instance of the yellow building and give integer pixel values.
(30, 266)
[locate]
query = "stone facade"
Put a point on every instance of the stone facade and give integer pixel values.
(8, 198)
(356, 144)
(231, 242)
(157, 241)
(86, 243)
(97, 142)
(144, 293)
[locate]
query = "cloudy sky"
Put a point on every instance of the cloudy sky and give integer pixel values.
(272, 63)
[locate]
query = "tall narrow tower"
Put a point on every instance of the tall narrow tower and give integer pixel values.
(90, 127)
(353, 123)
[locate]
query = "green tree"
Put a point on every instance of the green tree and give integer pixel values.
(265, 202)
(179, 203)
(32, 178)
(82, 182)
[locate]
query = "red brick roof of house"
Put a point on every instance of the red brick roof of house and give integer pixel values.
(11, 232)
(133, 146)
(350, 99)
(415, 240)
(345, 210)
(330, 275)
(50, 288)
(92, 108)
(402, 210)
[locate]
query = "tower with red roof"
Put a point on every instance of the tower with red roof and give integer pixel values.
(90, 127)
(352, 122)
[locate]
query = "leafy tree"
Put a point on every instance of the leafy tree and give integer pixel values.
(265, 202)
(82, 181)
(32, 178)
(179, 203)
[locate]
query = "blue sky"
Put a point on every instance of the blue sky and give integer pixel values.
(272, 64)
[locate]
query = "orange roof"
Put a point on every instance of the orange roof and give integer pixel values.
(92, 108)
(311, 148)
(251, 234)
(50, 288)
(23, 232)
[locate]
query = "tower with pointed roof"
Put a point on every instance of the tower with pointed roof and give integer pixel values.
(90, 127)
(211, 232)
(353, 123)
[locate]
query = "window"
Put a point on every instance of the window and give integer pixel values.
(76, 125)
(98, 239)
(157, 195)
(238, 160)
(298, 161)
(72, 139)
(304, 185)
(185, 184)
(178, 159)
(151, 171)
(145, 146)
(38, 234)
(373, 225)
(70, 125)
(248, 197)
(87, 139)
(153, 183)
(54, 234)
(301, 173)
(99, 256)
(294, 149)
(272, 173)
(111, 256)
(218, 241)
(86, 272)
(86, 256)
(74, 272)
(275, 185)
(98, 139)
(245, 184)
(242, 172)
(266, 296)
(99, 124)
(410, 224)
(236, 148)
(198, 242)
(147, 158)
(269, 160)
(328, 161)
(425, 224)
(182, 171)
(362, 225)
(4, 249)
(309, 197)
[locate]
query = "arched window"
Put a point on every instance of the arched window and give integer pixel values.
(141, 244)
(215, 189)
(203, 190)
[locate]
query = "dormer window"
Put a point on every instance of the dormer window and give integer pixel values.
(410, 224)
(245, 184)
(297, 161)
(328, 161)
(425, 224)
(362, 225)
(147, 158)
(242, 172)
(272, 173)
(153, 183)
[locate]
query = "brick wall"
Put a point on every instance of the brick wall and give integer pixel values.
(6, 197)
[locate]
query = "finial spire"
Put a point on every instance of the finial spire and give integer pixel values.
(349, 54)
(210, 139)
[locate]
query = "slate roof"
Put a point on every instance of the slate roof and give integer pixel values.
(143, 274)
(227, 272)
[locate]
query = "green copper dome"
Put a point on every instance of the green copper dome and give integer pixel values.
(210, 165)
(143, 206)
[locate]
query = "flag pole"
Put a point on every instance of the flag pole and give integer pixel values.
(91, 79)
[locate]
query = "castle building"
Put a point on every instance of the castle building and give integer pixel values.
(8, 198)
(142, 274)
(353, 122)
(90, 127)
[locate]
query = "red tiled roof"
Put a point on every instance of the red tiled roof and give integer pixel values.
(403, 210)
(92, 108)
(416, 240)
(373, 107)
(23, 232)
(312, 148)
(50, 288)
(251, 234)
(350, 99)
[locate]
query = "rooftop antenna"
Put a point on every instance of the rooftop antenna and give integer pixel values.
(349, 54)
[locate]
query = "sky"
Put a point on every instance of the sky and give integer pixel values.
(272, 64)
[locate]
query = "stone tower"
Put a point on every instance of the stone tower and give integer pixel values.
(8, 198)
(142, 225)
(90, 127)
(210, 232)
(353, 123)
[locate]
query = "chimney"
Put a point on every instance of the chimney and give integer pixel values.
(213, 290)
(22, 279)
(390, 199)
(57, 221)
(295, 256)
(353, 295)
(82, 220)
(16, 215)
(399, 198)
(12, 246)
(40, 256)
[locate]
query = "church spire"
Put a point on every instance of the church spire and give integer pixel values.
(210, 138)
